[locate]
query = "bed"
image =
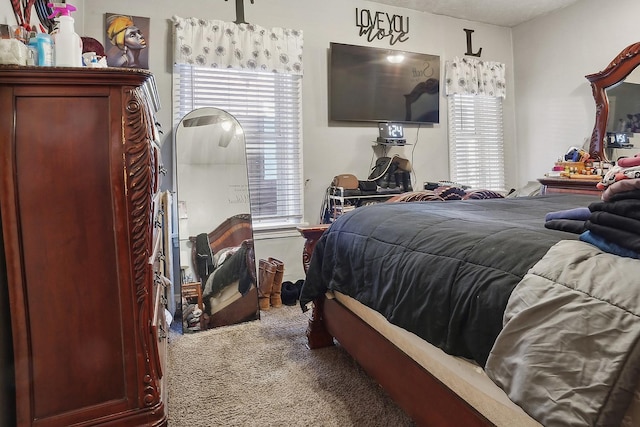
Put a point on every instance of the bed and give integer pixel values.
(467, 316)
(228, 283)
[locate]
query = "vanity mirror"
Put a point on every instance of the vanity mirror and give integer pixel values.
(603, 85)
(218, 271)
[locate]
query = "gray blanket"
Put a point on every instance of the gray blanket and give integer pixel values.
(569, 351)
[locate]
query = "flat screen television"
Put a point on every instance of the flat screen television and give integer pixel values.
(368, 84)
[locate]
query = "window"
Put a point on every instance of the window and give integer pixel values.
(476, 143)
(268, 106)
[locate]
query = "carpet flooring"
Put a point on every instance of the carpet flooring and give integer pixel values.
(261, 373)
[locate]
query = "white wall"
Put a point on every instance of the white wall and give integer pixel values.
(345, 148)
(546, 58)
(552, 56)
(328, 150)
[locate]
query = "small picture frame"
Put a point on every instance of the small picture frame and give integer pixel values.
(5, 33)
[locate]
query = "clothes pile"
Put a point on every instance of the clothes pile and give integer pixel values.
(291, 291)
(612, 224)
(191, 314)
(446, 192)
(626, 168)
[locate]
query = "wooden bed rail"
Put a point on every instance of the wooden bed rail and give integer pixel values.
(422, 396)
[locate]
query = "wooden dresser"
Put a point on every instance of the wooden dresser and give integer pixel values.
(81, 220)
(565, 185)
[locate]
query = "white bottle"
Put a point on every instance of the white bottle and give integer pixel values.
(67, 45)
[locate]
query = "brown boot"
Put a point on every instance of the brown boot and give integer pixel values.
(276, 300)
(265, 277)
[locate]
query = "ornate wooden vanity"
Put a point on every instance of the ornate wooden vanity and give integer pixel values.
(617, 71)
(565, 185)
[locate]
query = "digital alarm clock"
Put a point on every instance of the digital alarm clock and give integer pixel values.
(391, 133)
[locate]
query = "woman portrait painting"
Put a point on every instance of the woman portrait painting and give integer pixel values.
(125, 35)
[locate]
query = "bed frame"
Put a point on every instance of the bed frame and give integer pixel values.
(423, 397)
(232, 232)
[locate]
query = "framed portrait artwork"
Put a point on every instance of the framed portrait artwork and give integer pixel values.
(126, 41)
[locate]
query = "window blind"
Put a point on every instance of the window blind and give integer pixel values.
(476, 141)
(268, 106)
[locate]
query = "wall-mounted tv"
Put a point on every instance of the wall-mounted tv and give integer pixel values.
(369, 84)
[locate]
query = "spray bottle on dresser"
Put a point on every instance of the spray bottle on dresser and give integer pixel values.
(67, 44)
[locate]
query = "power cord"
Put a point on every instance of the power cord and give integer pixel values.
(415, 144)
(324, 207)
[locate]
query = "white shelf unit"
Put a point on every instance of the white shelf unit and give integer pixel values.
(338, 203)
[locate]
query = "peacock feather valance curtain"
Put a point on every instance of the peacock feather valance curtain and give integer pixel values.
(471, 76)
(220, 44)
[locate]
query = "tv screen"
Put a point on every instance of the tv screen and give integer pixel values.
(369, 84)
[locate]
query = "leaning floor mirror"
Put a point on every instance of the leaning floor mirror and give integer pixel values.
(217, 261)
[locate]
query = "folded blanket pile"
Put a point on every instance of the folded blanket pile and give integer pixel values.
(612, 225)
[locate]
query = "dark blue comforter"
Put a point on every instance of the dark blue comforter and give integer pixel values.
(442, 270)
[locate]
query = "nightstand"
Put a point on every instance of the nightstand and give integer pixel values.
(311, 234)
(317, 334)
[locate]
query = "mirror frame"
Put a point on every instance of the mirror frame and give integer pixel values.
(614, 73)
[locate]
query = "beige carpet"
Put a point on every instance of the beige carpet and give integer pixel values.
(261, 373)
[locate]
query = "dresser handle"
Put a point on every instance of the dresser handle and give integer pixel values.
(162, 334)
(162, 170)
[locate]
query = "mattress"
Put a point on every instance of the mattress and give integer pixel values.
(224, 297)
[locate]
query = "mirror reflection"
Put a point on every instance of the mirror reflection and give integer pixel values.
(217, 261)
(624, 105)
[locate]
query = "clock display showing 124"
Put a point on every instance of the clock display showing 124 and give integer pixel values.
(391, 130)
